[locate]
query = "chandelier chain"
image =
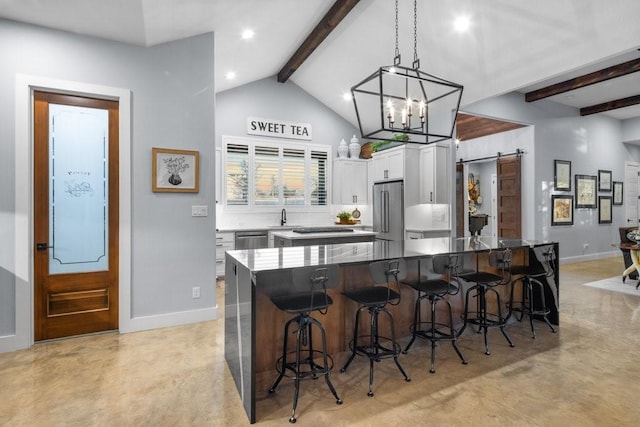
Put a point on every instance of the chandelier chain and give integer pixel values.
(415, 30)
(397, 49)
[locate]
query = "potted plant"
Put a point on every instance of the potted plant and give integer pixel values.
(395, 140)
(344, 216)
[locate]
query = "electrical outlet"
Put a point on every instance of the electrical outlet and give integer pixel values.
(585, 246)
(195, 292)
(199, 210)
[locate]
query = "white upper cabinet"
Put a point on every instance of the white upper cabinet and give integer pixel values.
(434, 176)
(350, 182)
(388, 165)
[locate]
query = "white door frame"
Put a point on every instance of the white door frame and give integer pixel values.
(24, 87)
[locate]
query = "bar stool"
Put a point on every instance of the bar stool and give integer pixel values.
(485, 284)
(436, 290)
(300, 292)
(530, 277)
(374, 300)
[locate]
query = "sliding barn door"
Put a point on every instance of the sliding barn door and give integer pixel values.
(509, 197)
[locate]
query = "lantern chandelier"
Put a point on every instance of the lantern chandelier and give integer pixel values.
(400, 100)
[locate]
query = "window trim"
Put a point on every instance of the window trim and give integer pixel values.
(280, 144)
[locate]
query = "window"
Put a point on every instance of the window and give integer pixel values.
(261, 173)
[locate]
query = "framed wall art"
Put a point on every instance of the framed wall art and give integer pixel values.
(562, 175)
(561, 209)
(618, 186)
(604, 180)
(174, 171)
(604, 209)
(586, 191)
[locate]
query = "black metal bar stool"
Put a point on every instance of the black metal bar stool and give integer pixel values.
(374, 299)
(300, 292)
(485, 284)
(533, 302)
(436, 290)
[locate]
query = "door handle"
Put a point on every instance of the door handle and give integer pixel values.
(42, 246)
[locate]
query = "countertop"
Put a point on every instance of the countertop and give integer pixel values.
(292, 235)
(351, 253)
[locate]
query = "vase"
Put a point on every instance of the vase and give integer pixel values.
(354, 148)
(175, 179)
(343, 149)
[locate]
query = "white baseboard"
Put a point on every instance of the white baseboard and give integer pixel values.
(146, 323)
(589, 257)
(12, 343)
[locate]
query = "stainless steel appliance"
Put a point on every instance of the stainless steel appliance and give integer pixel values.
(388, 210)
(254, 239)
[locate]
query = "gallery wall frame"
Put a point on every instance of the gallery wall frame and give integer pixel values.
(562, 175)
(604, 180)
(586, 191)
(618, 193)
(174, 171)
(604, 210)
(561, 209)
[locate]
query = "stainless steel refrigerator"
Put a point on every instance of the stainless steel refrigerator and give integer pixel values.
(388, 210)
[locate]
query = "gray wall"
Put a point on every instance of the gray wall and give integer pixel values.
(269, 99)
(172, 87)
(631, 130)
(590, 143)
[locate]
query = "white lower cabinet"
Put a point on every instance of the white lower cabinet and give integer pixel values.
(225, 241)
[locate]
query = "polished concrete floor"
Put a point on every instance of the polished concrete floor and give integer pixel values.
(588, 374)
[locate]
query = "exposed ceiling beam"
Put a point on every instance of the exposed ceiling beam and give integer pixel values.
(611, 105)
(471, 127)
(338, 11)
(585, 80)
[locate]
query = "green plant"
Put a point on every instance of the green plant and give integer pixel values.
(397, 137)
(344, 215)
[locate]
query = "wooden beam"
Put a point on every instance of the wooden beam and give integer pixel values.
(585, 80)
(611, 105)
(338, 11)
(471, 127)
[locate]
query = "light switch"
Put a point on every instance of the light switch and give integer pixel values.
(199, 210)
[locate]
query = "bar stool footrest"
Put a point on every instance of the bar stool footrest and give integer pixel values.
(309, 368)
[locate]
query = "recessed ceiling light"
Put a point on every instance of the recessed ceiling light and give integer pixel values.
(231, 75)
(462, 24)
(247, 34)
(346, 96)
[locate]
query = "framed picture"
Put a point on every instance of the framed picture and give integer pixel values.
(561, 210)
(604, 209)
(617, 192)
(585, 191)
(174, 171)
(604, 180)
(562, 175)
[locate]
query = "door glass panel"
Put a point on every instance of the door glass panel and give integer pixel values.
(78, 189)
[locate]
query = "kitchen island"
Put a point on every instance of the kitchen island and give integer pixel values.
(309, 236)
(254, 326)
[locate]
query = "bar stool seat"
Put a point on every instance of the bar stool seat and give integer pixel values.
(374, 299)
(301, 292)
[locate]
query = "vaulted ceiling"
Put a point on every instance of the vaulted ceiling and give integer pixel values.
(511, 45)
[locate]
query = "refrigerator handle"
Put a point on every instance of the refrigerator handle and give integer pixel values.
(385, 209)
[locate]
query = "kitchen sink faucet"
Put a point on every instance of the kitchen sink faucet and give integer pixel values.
(283, 217)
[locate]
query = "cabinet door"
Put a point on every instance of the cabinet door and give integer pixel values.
(389, 165)
(434, 180)
(359, 184)
(396, 164)
(350, 182)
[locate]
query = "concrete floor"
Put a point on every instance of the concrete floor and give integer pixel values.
(585, 375)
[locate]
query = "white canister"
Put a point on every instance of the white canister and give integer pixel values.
(343, 149)
(354, 148)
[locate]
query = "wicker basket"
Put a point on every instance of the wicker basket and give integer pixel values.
(366, 150)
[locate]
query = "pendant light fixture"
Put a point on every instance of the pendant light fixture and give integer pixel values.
(401, 100)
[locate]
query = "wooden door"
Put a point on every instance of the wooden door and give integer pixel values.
(460, 193)
(75, 215)
(509, 197)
